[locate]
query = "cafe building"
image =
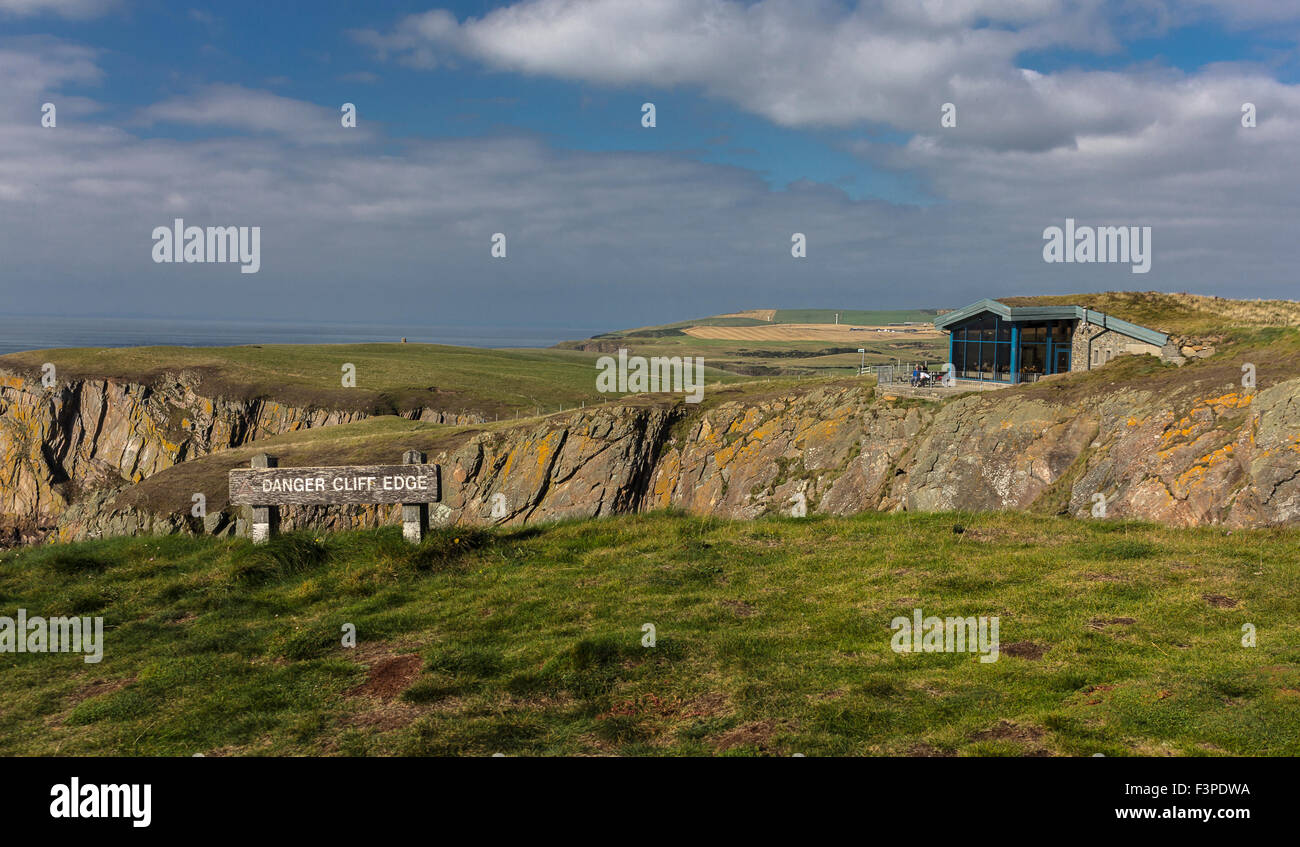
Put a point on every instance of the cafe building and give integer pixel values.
(991, 342)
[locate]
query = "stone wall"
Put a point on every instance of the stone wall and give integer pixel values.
(1106, 345)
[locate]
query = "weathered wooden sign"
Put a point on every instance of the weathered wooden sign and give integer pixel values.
(266, 487)
(325, 486)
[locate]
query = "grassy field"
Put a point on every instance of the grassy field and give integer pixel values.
(393, 378)
(781, 358)
(772, 638)
(858, 317)
(389, 377)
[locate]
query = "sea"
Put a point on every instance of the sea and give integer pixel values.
(39, 333)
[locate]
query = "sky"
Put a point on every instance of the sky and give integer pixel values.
(526, 119)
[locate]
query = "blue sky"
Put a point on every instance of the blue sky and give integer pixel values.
(524, 118)
(154, 50)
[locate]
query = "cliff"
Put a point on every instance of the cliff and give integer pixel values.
(1175, 446)
(62, 444)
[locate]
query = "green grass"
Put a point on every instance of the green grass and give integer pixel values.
(773, 637)
(1178, 314)
(778, 358)
(390, 378)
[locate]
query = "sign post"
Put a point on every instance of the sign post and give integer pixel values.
(266, 487)
(266, 519)
(415, 516)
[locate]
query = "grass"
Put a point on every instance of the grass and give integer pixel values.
(772, 637)
(390, 378)
(778, 358)
(1177, 314)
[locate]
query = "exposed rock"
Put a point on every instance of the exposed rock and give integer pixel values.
(1188, 455)
(60, 444)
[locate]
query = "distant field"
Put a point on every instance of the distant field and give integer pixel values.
(842, 333)
(859, 317)
(773, 637)
(769, 317)
(389, 377)
(797, 342)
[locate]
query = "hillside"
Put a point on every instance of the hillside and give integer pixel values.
(100, 454)
(390, 378)
(772, 637)
(1189, 315)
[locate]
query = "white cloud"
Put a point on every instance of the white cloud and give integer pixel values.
(818, 64)
(235, 107)
(71, 9)
(360, 232)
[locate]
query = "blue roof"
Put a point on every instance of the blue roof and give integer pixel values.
(1053, 313)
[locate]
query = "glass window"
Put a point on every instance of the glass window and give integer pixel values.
(1033, 357)
(986, 361)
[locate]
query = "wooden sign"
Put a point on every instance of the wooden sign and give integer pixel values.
(265, 487)
(327, 486)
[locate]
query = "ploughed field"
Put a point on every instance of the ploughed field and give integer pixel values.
(771, 637)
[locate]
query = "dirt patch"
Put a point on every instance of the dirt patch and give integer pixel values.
(1219, 601)
(1027, 736)
(389, 677)
(928, 751)
(740, 608)
(1102, 623)
(646, 705)
(830, 695)
(1008, 730)
(1023, 650)
(757, 734)
(707, 706)
(994, 536)
(384, 717)
(98, 688)
(1098, 690)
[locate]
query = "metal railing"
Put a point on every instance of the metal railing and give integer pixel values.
(901, 374)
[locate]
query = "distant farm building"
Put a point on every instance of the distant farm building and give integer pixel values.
(991, 342)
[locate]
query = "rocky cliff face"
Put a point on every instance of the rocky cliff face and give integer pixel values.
(1201, 454)
(61, 444)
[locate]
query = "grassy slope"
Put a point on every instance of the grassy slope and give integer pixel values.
(1178, 314)
(772, 637)
(390, 377)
